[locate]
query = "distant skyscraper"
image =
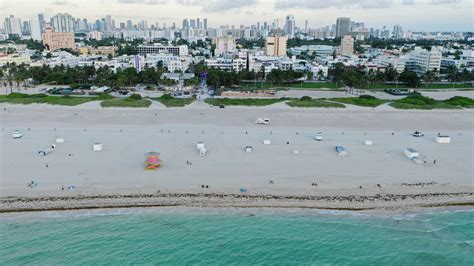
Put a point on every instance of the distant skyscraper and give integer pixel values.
(343, 27)
(13, 26)
(290, 26)
(41, 22)
(205, 23)
(129, 25)
(63, 22)
(35, 29)
(185, 23)
(122, 25)
(192, 23)
(306, 26)
(198, 23)
(397, 32)
(108, 23)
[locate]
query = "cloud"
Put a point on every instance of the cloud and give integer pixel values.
(319, 4)
(147, 2)
(218, 5)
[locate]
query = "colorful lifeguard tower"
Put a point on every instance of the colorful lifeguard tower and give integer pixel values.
(152, 160)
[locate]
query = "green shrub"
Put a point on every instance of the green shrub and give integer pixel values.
(135, 96)
(306, 98)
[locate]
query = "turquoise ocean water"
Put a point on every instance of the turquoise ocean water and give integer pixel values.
(236, 236)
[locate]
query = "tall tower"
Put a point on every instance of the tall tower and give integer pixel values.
(343, 26)
(290, 26)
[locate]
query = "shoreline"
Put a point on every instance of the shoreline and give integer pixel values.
(360, 203)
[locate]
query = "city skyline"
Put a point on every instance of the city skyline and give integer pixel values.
(219, 12)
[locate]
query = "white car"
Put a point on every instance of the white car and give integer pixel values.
(318, 136)
(418, 134)
(17, 134)
(262, 121)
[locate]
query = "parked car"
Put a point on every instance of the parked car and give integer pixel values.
(418, 134)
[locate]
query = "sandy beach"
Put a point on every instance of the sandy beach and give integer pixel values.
(115, 175)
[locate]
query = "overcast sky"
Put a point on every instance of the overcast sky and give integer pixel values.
(434, 15)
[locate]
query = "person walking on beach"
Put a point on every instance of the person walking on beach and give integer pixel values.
(46, 165)
(434, 162)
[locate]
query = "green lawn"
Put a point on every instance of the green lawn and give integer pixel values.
(242, 102)
(170, 101)
(320, 103)
(418, 101)
(363, 100)
(126, 102)
(20, 98)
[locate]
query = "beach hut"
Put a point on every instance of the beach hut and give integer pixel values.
(152, 160)
(341, 151)
(201, 148)
(59, 140)
(248, 148)
(17, 134)
(443, 139)
(97, 146)
(368, 143)
(411, 153)
(266, 142)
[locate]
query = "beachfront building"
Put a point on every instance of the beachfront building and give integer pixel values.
(422, 60)
(276, 45)
(57, 40)
(180, 50)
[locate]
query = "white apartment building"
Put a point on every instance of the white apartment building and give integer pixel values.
(224, 46)
(181, 50)
(422, 60)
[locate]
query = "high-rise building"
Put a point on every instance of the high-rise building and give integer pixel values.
(41, 22)
(63, 22)
(205, 23)
(13, 26)
(35, 29)
(108, 23)
(185, 23)
(26, 28)
(192, 23)
(347, 45)
(276, 46)
(290, 26)
(122, 25)
(306, 26)
(397, 32)
(129, 25)
(57, 40)
(343, 27)
(198, 23)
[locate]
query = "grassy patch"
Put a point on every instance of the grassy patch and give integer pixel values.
(242, 102)
(460, 101)
(170, 101)
(126, 102)
(363, 100)
(418, 101)
(20, 98)
(308, 102)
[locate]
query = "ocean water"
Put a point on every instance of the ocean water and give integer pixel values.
(178, 236)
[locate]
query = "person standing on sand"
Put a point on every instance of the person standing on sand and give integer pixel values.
(434, 162)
